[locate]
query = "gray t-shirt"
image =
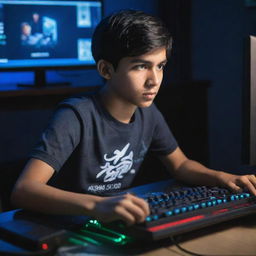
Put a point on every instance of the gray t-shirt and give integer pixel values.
(92, 152)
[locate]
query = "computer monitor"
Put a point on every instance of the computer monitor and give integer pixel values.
(252, 101)
(43, 34)
(249, 104)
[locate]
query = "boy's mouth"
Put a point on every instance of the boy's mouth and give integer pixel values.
(149, 95)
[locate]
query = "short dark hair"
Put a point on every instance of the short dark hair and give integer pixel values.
(128, 33)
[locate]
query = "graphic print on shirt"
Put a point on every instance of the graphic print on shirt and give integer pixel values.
(117, 165)
(142, 153)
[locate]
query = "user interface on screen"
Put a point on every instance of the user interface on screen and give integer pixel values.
(47, 33)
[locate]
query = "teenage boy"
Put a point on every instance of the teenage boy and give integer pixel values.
(95, 145)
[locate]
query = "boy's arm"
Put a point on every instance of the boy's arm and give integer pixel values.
(31, 192)
(194, 173)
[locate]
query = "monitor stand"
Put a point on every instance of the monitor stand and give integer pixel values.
(40, 81)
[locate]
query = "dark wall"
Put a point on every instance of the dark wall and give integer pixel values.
(22, 119)
(219, 37)
(211, 44)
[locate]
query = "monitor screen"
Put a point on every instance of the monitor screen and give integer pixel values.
(47, 34)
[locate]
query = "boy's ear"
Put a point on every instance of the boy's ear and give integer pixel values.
(105, 69)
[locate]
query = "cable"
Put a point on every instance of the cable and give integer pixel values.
(198, 254)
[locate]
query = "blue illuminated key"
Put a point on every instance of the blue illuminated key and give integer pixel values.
(196, 206)
(176, 211)
(219, 201)
(168, 213)
(184, 209)
(148, 219)
(203, 205)
(209, 203)
(190, 207)
(155, 217)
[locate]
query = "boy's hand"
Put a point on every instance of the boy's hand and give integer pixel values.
(129, 208)
(238, 182)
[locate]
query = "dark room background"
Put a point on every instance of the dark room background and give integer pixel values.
(202, 96)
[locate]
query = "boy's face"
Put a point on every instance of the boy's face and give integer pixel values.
(26, 30)
(136, 80)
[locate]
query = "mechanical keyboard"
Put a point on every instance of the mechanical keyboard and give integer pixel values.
(176, 210)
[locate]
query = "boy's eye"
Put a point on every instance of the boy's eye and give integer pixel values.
(161, 66)
(140, 67)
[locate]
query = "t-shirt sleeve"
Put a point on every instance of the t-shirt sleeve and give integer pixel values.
(59, 139)
(163, 141)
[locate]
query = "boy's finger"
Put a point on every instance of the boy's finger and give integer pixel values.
(141, 203)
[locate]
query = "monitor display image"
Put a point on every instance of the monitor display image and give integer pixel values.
(40, 35)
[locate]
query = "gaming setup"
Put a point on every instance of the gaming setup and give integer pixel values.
(39, 35)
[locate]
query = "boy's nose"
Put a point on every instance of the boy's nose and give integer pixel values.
(154, 78)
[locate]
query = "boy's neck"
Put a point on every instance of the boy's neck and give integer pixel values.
(121, 111)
